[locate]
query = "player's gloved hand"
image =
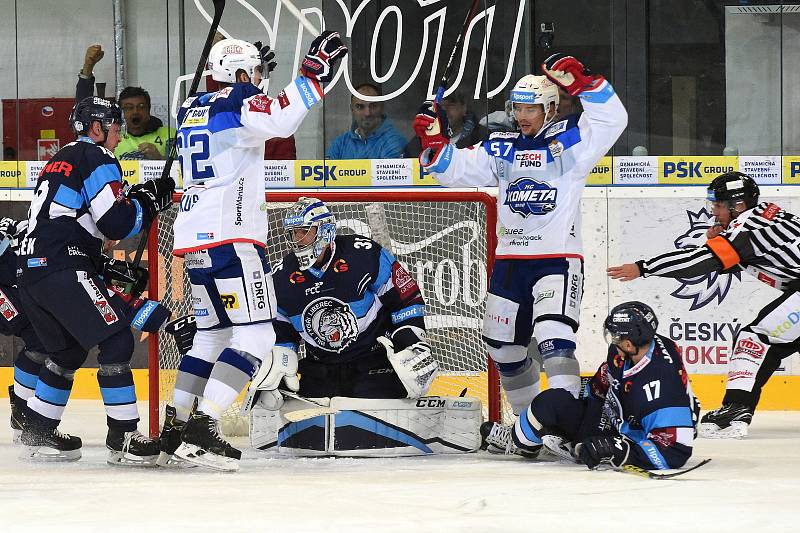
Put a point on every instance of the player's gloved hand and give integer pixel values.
(154, 196)
(8, 228)
(595, 451)
(267, 57)
(322, 56)
(121, 272)
(280, 368)
(415, 366)
(431, 126)
(182, 329)
(570, 74)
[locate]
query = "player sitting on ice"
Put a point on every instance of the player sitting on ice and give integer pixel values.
(360, 315)
(639, 408)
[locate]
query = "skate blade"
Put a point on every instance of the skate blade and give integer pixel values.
(15, 435)
(737, 430)
(48, 455)
(555, 446)
(197, 456)
(123, 459)
(168, 460)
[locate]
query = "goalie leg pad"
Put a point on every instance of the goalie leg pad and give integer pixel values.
(270, 431)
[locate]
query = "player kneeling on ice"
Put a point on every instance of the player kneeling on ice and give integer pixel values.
(361, 318)
(639, 408)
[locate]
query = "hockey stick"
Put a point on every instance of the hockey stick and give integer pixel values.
(448, 70)
(639, 471)
(305, 414)
(219, 7)
(300, 18)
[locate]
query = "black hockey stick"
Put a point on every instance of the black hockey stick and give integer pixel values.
(448, 70)
(219, 7)
(639, 471)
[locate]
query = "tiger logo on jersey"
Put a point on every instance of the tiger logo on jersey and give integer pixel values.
(330, 323)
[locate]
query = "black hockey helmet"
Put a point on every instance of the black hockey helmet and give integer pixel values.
(94, 108)
(733, 187)
(634, 321)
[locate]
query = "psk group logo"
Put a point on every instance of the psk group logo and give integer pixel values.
(527, 196)
(708, 288)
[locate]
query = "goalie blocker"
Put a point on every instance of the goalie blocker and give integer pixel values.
(355, 427)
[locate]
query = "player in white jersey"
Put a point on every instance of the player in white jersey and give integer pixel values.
(537, 280)
(221, 231)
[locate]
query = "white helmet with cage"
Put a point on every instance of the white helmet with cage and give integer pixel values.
(532, 89)
(230, 55)
(301, 218)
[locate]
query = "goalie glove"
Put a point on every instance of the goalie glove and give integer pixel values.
(595, 451)
(120, 272)
(414, 366)
(182, 329)
(322, 56)
(280, 367)
(431, 126)
(570, 74)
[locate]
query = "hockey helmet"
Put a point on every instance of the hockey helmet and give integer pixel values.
(634, 321)
(732, 188)
(94, 108)
(231, 55)
(532, 89)
(307, 214)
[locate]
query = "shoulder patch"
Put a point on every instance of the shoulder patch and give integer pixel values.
(556, 128)
(503, 135)
(222, 93)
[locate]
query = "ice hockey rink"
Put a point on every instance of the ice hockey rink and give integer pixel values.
(750, 485)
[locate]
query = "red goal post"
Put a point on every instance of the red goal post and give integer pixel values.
(445, 238)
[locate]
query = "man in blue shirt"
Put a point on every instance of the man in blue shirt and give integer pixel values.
(372, 135)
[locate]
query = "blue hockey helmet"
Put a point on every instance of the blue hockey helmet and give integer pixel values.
(634, 321)
(301, 218)
(93, 108)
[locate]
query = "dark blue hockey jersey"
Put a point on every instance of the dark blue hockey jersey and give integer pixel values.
(77, 204)
(651, 403)
(340, 312)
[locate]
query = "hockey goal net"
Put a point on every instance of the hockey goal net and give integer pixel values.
(444, 238)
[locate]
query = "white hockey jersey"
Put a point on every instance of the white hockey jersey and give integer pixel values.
(540, 178)
(221, 154)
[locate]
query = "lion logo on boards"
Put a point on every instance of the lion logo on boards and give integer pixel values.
(330, 323)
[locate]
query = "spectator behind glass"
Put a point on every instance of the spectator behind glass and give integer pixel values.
(465, 130)
(372, 135)
(147, 137)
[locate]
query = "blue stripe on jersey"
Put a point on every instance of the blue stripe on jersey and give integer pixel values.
(408, 312)
(68, 197)
(527, 430)
(362, 306)
(118, 395)
(442, 161)
(290, 345)
(143, 314)
(221, 121)
(384, 268)
(599, 97)
(102, 175)
(307, 92)
(25, 379)
(653, 454)
(51, 395)
(137, 227)
(296, 427)
(668, 417)
(233, 358)
(352, 418)
(568, 139)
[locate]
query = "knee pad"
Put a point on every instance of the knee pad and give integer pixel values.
(36, 357)
(508, 356)
(67, 361)
(209, 343)
(114, 369)
(118, 348)
(546, 330)
(58, 370)
(256, 340)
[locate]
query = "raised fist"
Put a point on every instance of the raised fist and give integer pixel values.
(431, 126)
(570, 74)
(94, 53)
(322, 56)
(267, 58)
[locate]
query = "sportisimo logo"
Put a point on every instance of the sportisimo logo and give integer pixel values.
(708, 288)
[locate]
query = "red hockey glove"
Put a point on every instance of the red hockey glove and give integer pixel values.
(322, 56)
(570, 74)
(431, 126)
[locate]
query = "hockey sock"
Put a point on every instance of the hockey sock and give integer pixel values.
(525, 431)
(119, 395)
(520, 382)
(560, 365)
(231, 372)
(26, 373)
(193, 374)
(52, 393)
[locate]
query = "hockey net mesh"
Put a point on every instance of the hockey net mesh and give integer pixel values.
(443, 244)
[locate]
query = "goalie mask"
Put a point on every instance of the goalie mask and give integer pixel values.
(532, 89)
(92, 109)
(231, 55)
(309, 227)
(634, 321)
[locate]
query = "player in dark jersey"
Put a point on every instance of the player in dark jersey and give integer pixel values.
(763, 240)
(79, 202)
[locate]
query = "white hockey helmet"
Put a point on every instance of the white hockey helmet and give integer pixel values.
(307, 214)
(230, 55)
(532, 89)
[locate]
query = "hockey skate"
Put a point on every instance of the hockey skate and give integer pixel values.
(170, 439)
(48, 444)
(202, 445)
(17, 415)
(560, 447)
(496, 438)
(730, 421)
(131, 448)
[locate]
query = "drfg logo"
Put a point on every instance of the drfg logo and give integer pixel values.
(230, 301)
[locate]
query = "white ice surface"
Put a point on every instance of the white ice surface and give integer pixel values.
(751, 485)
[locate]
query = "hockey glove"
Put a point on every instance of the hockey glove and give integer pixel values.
(570, 74)
(322, 56)
(280, 367)
(415, 366)
(267, 58)
(154, 195)
(8, 228)
(595, 451)
(431, 126)
(118, 272)
(182, 330)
